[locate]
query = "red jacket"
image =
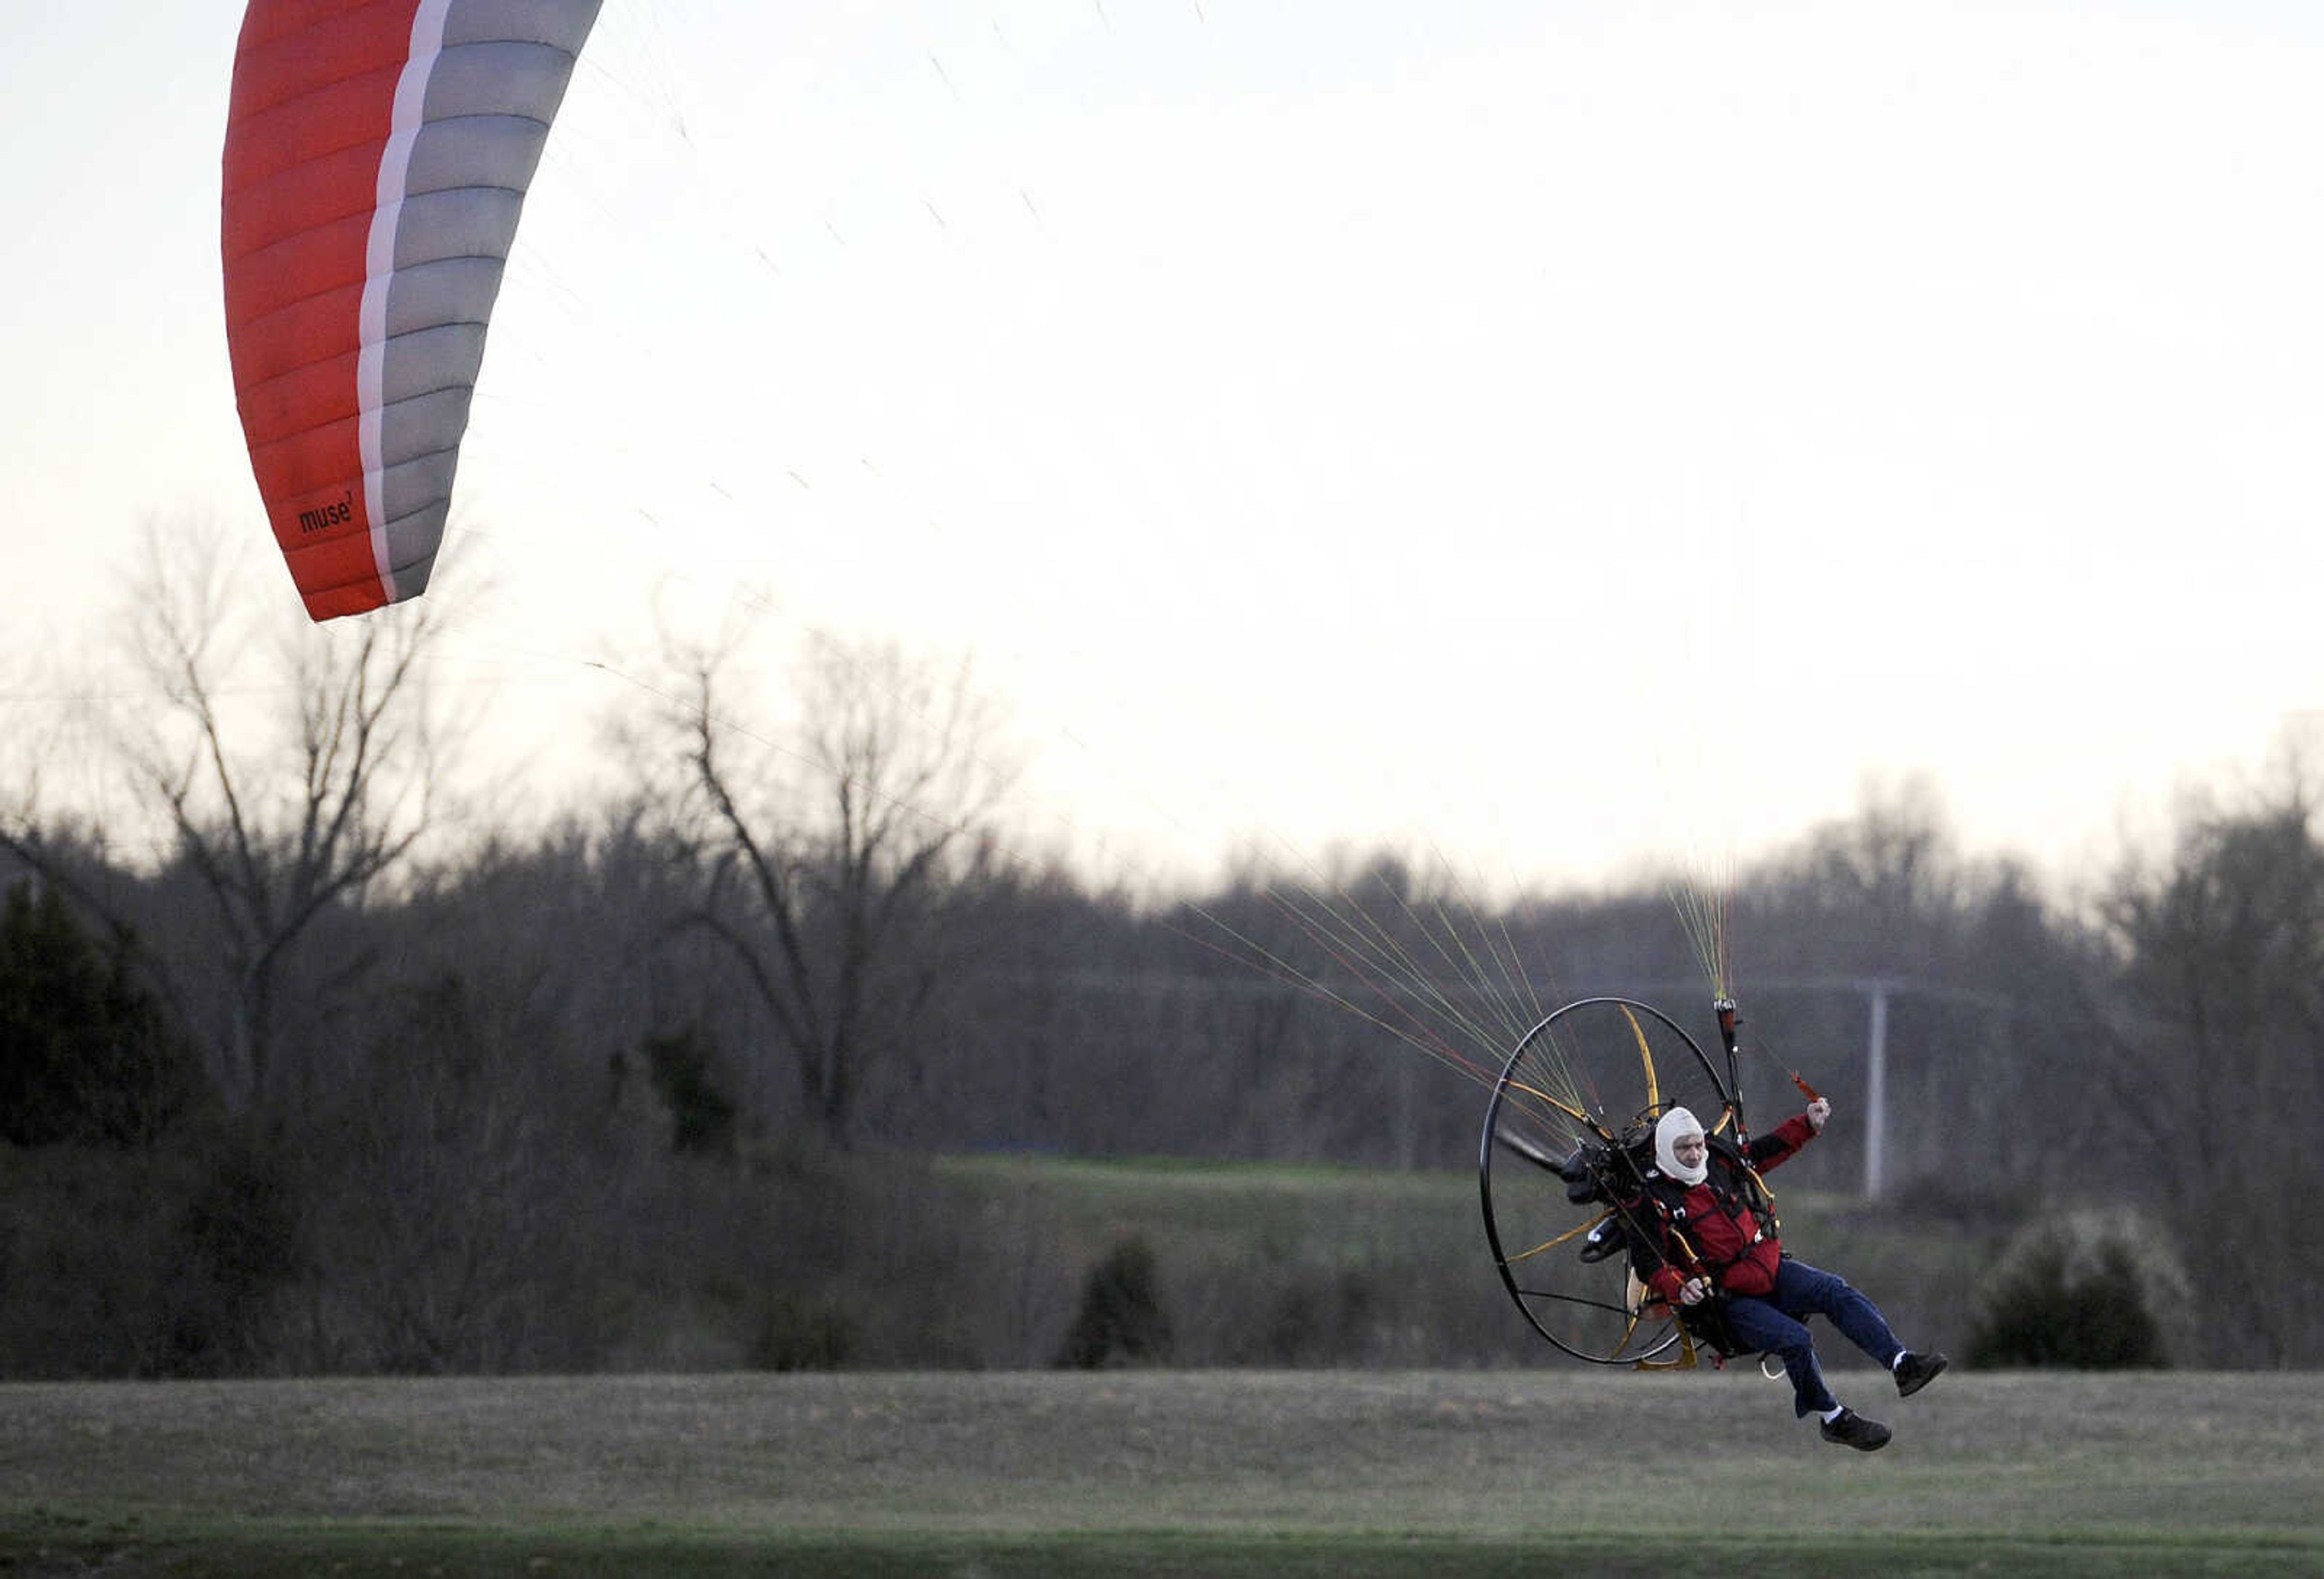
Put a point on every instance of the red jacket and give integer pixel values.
(1714, 1220)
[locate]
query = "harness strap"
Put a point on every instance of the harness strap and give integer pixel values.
(1764, 1225)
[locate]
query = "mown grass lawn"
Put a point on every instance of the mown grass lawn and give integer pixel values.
(1229, 1472)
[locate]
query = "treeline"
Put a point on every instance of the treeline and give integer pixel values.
(531, 1112)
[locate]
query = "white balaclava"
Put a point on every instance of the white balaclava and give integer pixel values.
(1673, 1124)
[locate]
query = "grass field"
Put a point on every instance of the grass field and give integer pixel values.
(1216, 1471)
(1239, 1243)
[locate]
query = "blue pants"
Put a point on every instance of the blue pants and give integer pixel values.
(1769, 1324)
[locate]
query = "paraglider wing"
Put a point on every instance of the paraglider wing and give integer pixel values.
(378, 155)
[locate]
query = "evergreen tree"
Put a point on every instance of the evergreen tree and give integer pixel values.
(86, 1055)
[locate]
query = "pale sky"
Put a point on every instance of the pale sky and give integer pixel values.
(1565, 434)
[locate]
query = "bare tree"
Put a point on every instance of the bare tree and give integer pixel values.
(834, 845)
(2221, 1025)
(289, 766)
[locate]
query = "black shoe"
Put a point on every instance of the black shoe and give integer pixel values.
(1916, 1371)
(1853, 1430)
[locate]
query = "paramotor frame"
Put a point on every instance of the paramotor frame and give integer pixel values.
(1568, 1134)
